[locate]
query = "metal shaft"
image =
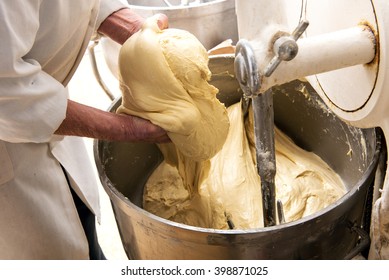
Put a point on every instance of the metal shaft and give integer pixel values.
(247, 75)
(323, 53)
(265, 150)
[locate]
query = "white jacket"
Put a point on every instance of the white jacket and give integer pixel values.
(42, 43)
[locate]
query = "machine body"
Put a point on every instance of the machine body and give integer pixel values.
(344, 56)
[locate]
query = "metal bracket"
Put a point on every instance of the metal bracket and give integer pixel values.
(285, 48)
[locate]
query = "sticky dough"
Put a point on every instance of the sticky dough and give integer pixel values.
(304, 183)
(164, 78)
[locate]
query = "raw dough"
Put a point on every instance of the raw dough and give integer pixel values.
(164, 78)
(304, 183)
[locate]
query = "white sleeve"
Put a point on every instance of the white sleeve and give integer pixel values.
(32, 103)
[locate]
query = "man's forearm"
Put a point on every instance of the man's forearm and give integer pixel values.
(85, 121)
(120, 25)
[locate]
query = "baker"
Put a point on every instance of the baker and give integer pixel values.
(48, 194)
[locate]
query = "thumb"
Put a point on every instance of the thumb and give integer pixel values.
(162, 21)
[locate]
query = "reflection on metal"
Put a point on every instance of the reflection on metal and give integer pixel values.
(167, 3)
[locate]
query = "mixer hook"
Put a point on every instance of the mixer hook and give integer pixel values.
(246, 69)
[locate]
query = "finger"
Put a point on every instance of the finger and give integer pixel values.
(159, 136)
(161, 140)
(148, 132)
(162, 21)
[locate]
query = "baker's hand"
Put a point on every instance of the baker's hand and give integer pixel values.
(139, 129)
(86, 121)
(120, 25)
(162, 21)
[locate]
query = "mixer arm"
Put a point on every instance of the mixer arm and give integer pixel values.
(247, 74)
(317, 54)
(285, 48)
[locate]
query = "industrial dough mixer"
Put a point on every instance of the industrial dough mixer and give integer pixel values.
(343, 54)
(350, 44)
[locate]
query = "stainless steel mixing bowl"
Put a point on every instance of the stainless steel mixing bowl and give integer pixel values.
(211, 21)
(335, 232)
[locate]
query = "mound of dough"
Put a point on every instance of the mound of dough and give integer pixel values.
(230, 189)
(164, 78)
